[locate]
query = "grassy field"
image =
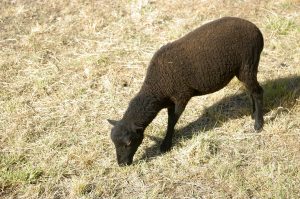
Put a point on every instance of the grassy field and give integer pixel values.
(67, 66)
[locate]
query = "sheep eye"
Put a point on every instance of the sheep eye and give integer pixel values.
(127, 144)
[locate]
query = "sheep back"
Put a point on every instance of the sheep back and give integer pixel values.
(205, 60)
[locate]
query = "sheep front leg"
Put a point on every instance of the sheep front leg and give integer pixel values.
(174, 113)
(253, 106)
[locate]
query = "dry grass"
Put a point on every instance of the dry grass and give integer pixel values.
(67, 66)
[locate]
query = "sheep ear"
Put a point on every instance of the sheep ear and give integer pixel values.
(112, 122)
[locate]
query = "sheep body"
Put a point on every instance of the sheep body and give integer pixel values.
(201, 62)
(205, 60)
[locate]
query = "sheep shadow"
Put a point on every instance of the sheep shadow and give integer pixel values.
(276, 92)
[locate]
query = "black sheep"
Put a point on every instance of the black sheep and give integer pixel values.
(201, 62)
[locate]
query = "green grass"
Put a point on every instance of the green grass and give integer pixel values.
(66, 67)
(16, 171)
(281, 25)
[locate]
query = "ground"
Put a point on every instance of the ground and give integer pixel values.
(67, 66)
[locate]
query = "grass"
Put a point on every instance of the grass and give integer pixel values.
(66, 67)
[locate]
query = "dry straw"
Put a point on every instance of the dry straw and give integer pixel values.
(67, 66)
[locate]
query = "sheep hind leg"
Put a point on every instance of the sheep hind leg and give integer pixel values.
(256, 92)
(174, 113)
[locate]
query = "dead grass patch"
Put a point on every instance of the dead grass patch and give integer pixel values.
(66, 67)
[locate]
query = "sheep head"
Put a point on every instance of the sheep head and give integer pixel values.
(126, 138)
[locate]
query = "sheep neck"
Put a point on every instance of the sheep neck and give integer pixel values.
(142, 109)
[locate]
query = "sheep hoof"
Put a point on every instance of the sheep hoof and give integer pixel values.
(165, 147)
(258, 126)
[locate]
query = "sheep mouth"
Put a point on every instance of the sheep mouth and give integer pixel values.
(125, 163)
